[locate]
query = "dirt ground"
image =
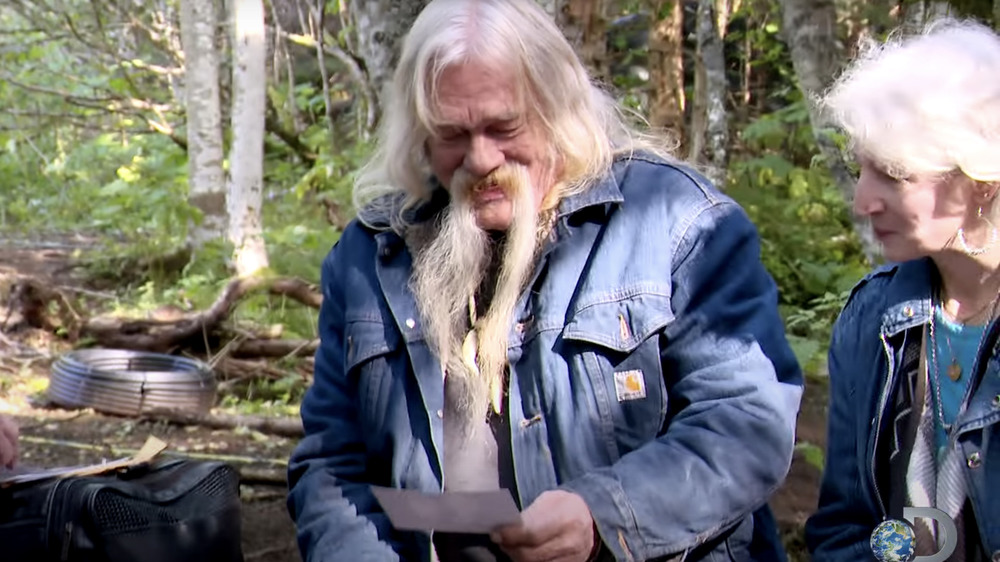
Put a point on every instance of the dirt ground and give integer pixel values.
(57, 437)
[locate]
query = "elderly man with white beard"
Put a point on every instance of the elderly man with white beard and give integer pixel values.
(537, 297)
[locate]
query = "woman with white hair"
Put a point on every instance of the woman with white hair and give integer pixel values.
(914, 419)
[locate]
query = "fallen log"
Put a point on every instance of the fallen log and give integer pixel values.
(163, 335)
(284, 427)
(275, 348)
(270, 477)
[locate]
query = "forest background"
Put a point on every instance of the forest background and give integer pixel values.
(172, 173)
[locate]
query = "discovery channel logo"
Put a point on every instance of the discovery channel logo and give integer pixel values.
(895, 541)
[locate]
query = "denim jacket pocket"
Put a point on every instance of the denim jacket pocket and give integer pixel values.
(615, 346)
(369, 346)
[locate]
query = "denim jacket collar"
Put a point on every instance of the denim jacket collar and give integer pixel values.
(912, 288)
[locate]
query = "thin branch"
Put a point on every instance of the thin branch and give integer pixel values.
(126, 451)
(317, 18)
(274, 127)
(353, 68)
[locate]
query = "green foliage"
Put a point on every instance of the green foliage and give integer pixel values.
(807, 241)
(813, 454)
(266, 396)
(133, 188)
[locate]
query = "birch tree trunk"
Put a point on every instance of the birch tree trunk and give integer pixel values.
(206, 180)
(666, 67)
(810, 31)
(712, 72)
(246, 156)
(380, 26)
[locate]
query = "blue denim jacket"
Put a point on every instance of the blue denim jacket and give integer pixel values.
(886, 308)
(653, 271)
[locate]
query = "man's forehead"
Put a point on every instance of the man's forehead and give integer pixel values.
(473, 111)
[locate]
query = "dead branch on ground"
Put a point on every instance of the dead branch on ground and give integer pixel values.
(35, 303)
(285, 427)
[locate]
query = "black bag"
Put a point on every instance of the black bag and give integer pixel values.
(172, 511)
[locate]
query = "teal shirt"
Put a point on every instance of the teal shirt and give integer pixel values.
(958, 342)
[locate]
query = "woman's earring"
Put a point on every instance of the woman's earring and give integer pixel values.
(990, 242)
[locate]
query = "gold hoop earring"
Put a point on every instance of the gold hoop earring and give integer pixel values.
(980, 250)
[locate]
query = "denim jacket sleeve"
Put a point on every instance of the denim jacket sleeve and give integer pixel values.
(839, 531)
(329, 496)
(734, 388)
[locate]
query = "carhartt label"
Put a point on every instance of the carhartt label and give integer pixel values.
(630, 385)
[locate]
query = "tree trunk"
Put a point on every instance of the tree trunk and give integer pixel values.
(246, 157)
(666, 67)
(584, 24)
(810, 31)
(714, 89)
(918, 12)
(380, 26)
(206, 180)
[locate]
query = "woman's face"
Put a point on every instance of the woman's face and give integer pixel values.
(919, 215)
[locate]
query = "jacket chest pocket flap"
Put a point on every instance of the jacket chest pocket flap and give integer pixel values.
(370, 349)
(615, 345)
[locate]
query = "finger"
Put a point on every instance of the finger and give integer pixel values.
(538, 525)
(9, 429)
(526, 534)
(7, 452)
(8, 442)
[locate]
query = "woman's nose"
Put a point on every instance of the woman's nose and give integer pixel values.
(866, 200)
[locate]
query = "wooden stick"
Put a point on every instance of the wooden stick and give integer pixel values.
(124, 451)
(286, 427)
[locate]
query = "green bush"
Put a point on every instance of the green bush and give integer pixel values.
(807, 239)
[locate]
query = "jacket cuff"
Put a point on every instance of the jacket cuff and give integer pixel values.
(614, 518)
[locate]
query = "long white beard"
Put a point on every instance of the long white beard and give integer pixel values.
(448, 271)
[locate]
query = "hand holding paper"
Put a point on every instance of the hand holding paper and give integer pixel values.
(556, 526)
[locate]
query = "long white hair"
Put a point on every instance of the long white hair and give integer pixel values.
(584, 124)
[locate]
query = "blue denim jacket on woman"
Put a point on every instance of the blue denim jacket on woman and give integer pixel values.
(654, 272)
(887, 310)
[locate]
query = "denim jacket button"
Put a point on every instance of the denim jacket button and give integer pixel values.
(410, 323)
(996, 404)
(908, 311)
(975, 460)
(440, 414)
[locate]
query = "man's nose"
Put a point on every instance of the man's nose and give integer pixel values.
(483, 156)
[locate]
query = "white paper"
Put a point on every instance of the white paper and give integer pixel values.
(449, 512)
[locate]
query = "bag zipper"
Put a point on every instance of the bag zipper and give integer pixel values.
(890, 375)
